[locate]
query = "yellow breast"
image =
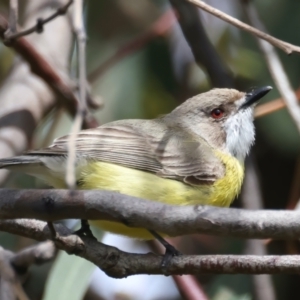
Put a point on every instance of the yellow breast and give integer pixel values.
(228, 187)
(100, 175)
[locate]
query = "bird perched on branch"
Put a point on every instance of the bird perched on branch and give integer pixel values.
(193, 155)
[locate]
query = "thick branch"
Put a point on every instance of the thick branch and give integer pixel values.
(286, 47)
(120, 264)
(51, 205)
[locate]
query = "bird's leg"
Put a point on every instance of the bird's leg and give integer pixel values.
(85, 230)
(52, 230)
(171, 251)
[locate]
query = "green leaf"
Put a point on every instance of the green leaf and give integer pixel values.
(69, 278)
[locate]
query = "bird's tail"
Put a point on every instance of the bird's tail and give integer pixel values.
(50, 170)
(20, 162)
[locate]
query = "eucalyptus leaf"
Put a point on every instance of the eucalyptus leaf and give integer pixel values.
(69, 278)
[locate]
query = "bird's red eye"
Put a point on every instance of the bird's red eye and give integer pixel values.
(217, 113)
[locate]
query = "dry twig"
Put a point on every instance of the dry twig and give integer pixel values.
(42, 68)
(13, 18)
(81, 109)
(32, 96)
(276, 68)
(286, 47)
(12, 35)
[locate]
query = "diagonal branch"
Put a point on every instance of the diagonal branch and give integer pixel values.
(286, 47)
(276, 68)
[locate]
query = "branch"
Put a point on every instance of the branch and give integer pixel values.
(37, 254)
(13, 267)
(81, 109)
(13, 35)
(286, 47)
(120, 264)
(252, 199)
(42, 68)
(25, 98)
(52, 205)
(275, 67)
(204, 52)
(13, 17)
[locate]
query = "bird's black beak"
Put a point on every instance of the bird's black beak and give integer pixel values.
(255, 95)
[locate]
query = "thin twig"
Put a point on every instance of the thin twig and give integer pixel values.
(13, 17)
(286, 47)
(81, 109)
(42, 68)
(158, 28)
(252, 199)
(120, 264)
(275, 67)
(39, 23)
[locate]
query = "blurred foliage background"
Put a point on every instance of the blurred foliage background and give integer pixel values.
(152, 81)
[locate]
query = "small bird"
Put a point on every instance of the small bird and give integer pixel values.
(193, 155)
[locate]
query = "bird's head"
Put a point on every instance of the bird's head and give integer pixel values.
(222, 117)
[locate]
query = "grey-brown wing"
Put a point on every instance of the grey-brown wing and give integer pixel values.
(163, 151)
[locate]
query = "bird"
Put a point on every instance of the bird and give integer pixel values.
(193, 155)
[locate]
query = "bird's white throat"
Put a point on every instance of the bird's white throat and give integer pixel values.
(240, 133)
